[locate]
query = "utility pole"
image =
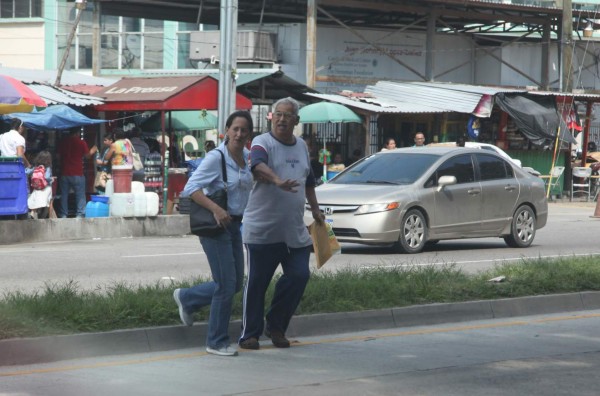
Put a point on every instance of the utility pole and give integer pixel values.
(566, 43)
(80, 6)
(228, 60)
(311, 42)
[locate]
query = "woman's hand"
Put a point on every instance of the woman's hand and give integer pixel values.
(222, 217)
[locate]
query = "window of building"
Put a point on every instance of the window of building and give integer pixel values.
(20, 8)
(125, 43)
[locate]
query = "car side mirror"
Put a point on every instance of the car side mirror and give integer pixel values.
(445, 181)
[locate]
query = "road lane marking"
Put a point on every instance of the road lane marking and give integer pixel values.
(296, 343)
(162, 255)
(482, 261)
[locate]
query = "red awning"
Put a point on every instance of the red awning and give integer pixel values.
(165, 93)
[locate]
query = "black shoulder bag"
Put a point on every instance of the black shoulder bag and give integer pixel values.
(202, 220)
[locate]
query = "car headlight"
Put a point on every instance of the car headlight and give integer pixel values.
(374, 208)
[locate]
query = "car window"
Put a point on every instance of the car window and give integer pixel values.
(397, 168)
(491, 167)
(460, 167)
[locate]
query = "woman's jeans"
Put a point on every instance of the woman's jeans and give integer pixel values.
(226, 259)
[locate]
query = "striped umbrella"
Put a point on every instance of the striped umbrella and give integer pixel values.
(17, 97)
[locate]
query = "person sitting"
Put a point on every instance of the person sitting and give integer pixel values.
(337, 165)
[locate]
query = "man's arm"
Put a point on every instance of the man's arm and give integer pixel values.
(311, 197)
(91, 152)
(263, 173)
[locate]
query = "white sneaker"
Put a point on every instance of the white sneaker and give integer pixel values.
(225, 351)
(186, 318)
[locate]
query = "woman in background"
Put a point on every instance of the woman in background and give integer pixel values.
(103, 165)
(120, 151)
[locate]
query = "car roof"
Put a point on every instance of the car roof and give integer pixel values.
(432, 150)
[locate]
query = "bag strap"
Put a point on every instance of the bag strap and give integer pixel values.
(223, 168)
(131, 145)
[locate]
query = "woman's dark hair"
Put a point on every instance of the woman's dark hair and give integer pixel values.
(387, 140)
(15, 123)
(110, 136)
(119, 133)
(241, 114)
(43, 158)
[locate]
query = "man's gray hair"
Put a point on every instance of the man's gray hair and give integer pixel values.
(288, 101)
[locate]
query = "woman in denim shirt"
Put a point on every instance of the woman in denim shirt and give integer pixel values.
(224, 251)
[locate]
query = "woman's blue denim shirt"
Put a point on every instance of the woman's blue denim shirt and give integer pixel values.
(208, 178)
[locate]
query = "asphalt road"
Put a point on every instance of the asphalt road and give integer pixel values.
(534, 356)
(97, 263)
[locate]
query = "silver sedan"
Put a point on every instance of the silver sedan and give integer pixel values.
(413, 196)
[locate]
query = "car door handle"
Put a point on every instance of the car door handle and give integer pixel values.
(474, 191)
(510, 188)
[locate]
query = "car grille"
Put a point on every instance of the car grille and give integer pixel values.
(346, 232)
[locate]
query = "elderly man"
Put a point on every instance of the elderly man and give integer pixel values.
(274, 230)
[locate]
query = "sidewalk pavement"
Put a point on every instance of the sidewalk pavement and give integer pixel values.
(56, 348)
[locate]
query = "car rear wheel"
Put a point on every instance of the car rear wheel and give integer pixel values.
(413, 232)
(522, 229)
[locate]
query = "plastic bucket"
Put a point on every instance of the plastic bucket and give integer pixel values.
(331, 174)
(121, 175)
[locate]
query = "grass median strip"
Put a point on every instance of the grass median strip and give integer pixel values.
(66, 309)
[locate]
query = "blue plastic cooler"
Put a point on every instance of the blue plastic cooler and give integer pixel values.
(13, 186)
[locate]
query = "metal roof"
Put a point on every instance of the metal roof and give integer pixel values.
(434, 97)
(419, 97)
(53, 95)
(368, 104)
(49, 77)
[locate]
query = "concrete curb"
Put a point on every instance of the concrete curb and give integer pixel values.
(52, 230)
(57, 348)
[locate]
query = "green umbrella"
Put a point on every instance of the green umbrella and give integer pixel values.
(327, 112)
(192, 120)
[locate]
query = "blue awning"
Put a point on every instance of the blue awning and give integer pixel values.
(53, 117)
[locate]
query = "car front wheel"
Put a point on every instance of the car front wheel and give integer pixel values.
(522, 229)
(413, 232)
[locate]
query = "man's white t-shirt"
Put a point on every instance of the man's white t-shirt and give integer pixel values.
(9, 142)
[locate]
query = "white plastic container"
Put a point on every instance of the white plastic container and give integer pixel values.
(137, 187)
(151, 204)
(122, 205)
(139, 205)
(109, 190)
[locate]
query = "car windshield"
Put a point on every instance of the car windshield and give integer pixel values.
(398, 168)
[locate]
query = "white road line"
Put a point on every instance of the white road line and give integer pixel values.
(481, 261)
(160, 255)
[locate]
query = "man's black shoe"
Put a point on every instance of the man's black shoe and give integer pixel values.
(278, 338)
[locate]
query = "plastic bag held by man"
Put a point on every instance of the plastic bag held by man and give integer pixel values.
(324, 242)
